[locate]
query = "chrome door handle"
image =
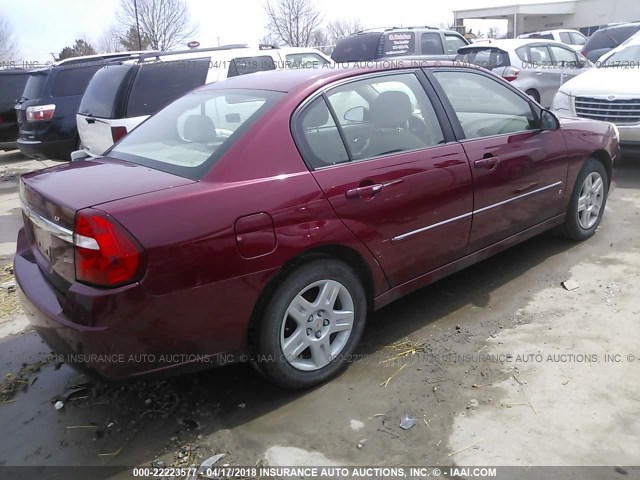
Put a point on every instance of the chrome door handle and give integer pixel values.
(366, 191)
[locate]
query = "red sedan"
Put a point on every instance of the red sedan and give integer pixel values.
(262, 217)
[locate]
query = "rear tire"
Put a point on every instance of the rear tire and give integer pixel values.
(533, 94)
(312, 325)
(588, 201)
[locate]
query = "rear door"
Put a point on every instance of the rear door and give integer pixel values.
(567, 61)
(519, 171)
(383, 153)
(545, 73)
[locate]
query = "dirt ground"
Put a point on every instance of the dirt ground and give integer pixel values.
(498, 365)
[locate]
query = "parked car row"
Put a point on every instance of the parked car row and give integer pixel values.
(129, 87)
(260, 218)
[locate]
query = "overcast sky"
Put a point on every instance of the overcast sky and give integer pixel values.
(44, 26)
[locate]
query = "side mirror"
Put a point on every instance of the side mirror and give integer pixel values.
(548, 121)
(79, 155)
(355, 114)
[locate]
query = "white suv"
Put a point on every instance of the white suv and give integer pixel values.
(610, 93)
(573, 38)
(120, 96)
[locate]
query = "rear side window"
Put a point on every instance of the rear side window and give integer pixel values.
(431, 44)
(453, 42)
(100, 98)
(34, 86)
(246, 65)
(565, 37)
(488, 58)
(12, 86)
(564, 56)
(320, 136)
(73, 81)
(157, 84)
(400, 43)
(357, 48)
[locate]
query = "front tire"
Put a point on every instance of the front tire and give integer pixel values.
(312, 325)
(588, 201)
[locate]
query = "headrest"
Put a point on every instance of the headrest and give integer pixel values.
(390, 109)
(199, 128)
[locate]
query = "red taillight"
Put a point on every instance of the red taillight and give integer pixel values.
(40, 113)
(106, 254)
(510, 74)
(117, 133)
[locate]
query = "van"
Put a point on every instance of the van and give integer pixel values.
(121, 96)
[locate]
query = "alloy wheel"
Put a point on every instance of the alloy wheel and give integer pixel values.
(317, 325)
(590, 200)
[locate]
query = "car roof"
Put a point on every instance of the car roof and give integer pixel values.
(621, 25)
(297, 79)
(509, 43)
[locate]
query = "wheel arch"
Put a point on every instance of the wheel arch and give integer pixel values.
(603, 157)
(342, 253)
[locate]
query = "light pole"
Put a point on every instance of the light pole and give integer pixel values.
(135, 7)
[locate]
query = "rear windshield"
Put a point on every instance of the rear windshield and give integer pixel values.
(488, 58)
(246, 65)
(12, 86)
(610, 37)
(187, 137)
(358, 48)
(628, 57)
(399, 43)
(157, 84)
(34, 86)
(100, 98)
(73, 81)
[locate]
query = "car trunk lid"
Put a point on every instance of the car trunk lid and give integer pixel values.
(50, 199)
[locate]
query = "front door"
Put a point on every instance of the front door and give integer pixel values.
(519, 171)
(391, 172)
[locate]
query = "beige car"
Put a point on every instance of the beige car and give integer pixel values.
(610, 93)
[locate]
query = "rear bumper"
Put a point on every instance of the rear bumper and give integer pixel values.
(58, 149)
(132, 333)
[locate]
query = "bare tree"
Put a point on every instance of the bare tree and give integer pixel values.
(293, 22)
(8, 45)
(165, 23)
(110, 41)
(342, 28)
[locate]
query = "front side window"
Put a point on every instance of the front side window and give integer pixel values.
(385, 115)
(454, 43)
(188, 136)
(157, 84)
(431, 44)
(484, 106)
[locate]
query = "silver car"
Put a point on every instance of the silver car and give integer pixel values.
(537, 67)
